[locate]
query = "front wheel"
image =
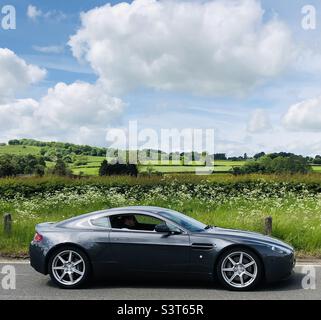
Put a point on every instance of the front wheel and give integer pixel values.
(239, 269)
(69, 268)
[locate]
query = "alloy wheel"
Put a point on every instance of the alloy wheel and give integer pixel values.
(239, 269)
(68, 267)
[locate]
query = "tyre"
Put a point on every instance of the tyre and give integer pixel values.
(239, 269)
(69, 268)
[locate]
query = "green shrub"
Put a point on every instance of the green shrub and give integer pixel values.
(271, 164)
(13, 165)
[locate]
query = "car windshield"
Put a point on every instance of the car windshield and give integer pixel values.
(186, 222)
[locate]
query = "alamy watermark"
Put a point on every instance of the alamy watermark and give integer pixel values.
(309, 20)
(8, 281)
(8, 17)
(186, 146)
(309, 280)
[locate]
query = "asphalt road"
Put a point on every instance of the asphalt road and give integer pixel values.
(31, 285)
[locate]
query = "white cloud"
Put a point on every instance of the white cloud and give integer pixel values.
(49, 49)
(55, 15)
(78, 104)
(16, 74)
(33, 13)
(16, 116)
(305, 116)
(212, 47)
(78, 112)
(259, 122)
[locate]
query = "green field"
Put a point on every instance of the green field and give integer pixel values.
(222, 166)
(171, 163)
(89, 171)
(92, 167)
(93, 163)
(171, 169)
(20, 150)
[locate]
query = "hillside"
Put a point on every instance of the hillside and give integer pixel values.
(90, 164)
(20, 150)
(86, 160)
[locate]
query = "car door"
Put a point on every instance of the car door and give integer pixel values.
(150, 251)
(97, 242)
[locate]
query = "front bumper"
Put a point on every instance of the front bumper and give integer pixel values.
(279, 267)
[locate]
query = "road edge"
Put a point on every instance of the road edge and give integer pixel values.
(299, 262)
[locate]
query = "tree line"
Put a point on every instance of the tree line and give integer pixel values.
(275, 163)
(14, 165)
(60, 148)
(23, 165)
(109, 169)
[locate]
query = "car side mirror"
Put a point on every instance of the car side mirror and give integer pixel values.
(164, 228)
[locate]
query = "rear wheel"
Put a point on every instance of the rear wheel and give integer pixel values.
(69, 268)
(239, 269)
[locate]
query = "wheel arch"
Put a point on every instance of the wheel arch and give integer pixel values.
(239, 246)
(62, 245)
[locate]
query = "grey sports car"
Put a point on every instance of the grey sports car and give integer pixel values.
(155, 241)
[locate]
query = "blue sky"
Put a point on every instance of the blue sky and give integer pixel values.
(264, 95)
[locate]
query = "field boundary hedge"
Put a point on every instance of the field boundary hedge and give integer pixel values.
(29, 186)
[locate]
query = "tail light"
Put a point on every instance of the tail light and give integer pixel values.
(38, 237)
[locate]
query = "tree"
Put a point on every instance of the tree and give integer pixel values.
(67, 159)
(12, 165)
(220, 156)
(28, 170)
(259, 155)
(93, 152)
(60, 168)
(7, 166)
(275, 165)
(39, 170)
(132, 170)
(103, 170)
(107, 169)
(13, 142)
(317, 160)
(281, 154)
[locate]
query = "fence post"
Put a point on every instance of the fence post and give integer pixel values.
(7, 223)
(268, 226)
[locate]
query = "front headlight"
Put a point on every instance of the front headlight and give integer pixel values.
(280, 250)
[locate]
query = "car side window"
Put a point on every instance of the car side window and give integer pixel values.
(101, 222)
(134, 222)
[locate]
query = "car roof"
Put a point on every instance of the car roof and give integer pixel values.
(128, 209)
(139, 208)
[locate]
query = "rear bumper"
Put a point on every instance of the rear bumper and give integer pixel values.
(279, 267)
(37, 258)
